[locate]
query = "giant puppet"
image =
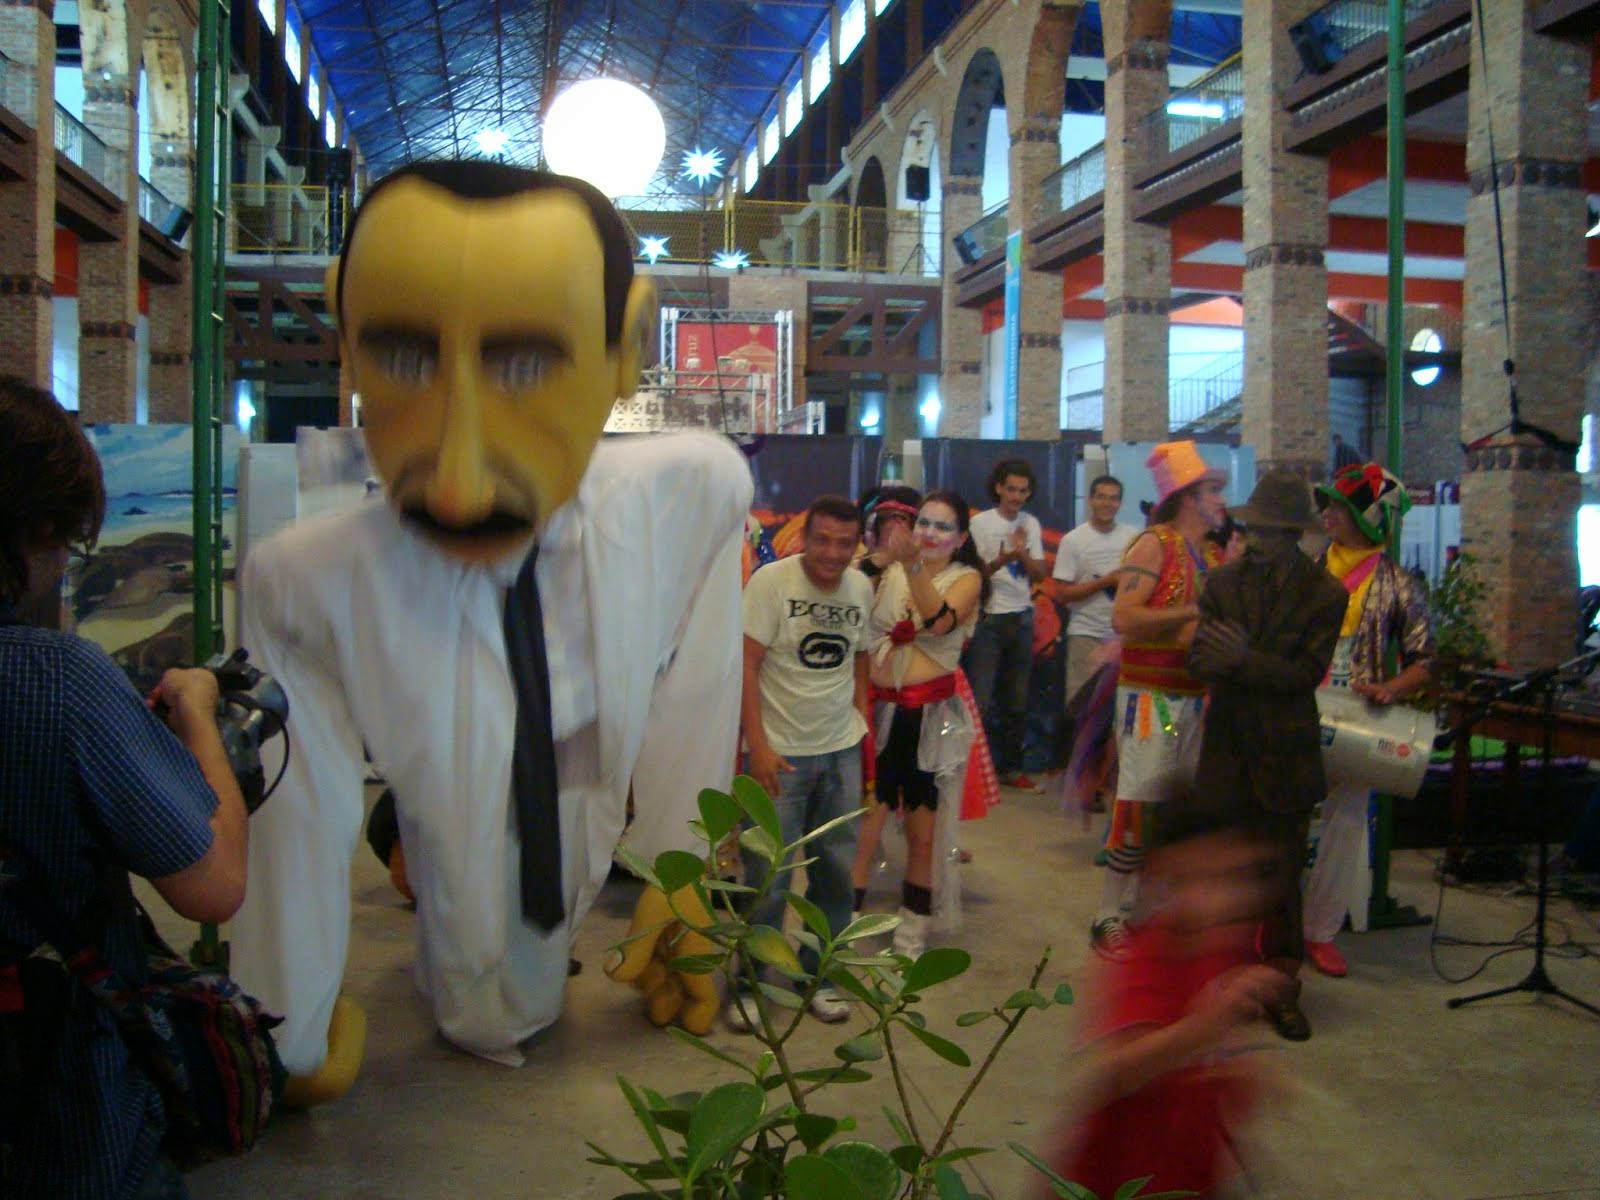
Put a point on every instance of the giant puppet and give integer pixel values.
(529, 625)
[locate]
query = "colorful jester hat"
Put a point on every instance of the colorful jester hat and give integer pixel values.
(1375, 499)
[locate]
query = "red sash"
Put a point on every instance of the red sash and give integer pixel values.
(918, 695)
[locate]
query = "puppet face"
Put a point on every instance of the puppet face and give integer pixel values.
(475, 330)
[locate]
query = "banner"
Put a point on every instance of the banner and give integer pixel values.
(1013, 331)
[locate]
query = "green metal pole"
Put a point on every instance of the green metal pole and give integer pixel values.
(1382, 911)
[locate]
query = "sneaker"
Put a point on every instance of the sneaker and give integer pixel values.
(1290, 1022)
(1325, 957)
(1021, 782)
(829, 1005)
(1108, 938)
(739, 1014)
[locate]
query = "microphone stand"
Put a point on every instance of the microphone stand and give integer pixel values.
(1546, 679)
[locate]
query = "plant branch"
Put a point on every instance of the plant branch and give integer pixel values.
(900, 1087)
(983, 1068)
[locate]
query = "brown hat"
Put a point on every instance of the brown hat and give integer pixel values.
(1281, 500)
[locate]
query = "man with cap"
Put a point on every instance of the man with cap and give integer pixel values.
(1385, 607)
(1268, 624)
(1159, 703)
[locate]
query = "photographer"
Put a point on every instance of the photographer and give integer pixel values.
(92, 787)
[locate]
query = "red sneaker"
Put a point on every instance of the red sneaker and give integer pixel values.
(1021, 782)
(1325, 957)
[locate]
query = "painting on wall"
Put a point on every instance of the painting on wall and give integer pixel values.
(333, 469)
(134, 594)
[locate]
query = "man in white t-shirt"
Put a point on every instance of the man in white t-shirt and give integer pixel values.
(804, 713)
(999, 658)
(1088, 563)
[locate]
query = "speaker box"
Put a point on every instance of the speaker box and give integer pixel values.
(917, 183)
(1318, 47)
(177, 223)
(966, 249)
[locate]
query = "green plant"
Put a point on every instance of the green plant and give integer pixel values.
(1458, 638)
(764, 1135)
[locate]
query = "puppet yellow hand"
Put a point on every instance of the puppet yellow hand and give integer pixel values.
(347, 1041)
(690, 999)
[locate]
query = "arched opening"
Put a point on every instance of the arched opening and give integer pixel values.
(164, 121)
(872, 210)
(979, 145)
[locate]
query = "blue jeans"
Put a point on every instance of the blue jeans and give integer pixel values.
(998, 661)
(820, 788)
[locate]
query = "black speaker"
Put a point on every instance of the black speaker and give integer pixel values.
(966, 249)
(917, 183)
(1314, 39)
(177, 223)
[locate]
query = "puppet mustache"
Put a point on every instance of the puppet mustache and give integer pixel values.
(498, 523)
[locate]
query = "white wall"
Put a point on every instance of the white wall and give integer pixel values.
(64, 350)
(996, 161)
(1080, 132)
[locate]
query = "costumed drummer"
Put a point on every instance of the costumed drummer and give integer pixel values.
(529, 624)
(1386, 613)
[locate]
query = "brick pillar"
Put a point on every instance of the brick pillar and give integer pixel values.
(1035, 153)
(1285, 273)
(961, 332)
(1138, 256)
(28, 208)
(108, 272)
(171, 340)
(1519, 499)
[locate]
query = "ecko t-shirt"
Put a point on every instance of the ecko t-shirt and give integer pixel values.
(812, 637)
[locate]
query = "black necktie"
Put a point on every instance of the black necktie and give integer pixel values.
(534, 785)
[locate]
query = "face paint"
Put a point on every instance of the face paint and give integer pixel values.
(475, 333)
(937, 534)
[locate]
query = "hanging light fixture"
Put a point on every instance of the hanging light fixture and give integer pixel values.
(607, 132)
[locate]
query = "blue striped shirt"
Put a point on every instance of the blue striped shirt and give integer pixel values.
(87, 770)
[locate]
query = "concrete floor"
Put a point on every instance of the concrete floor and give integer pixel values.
(1394, 1098)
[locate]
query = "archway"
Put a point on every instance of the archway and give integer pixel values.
(872, 216)
(982, 92)
(164, 109)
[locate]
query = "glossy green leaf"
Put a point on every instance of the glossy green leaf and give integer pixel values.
(968, 1019)
(828, 827)
(727, 885)
(1063, 994)
(678, 868)
(760, 843)
(1025, 998)
(720, 1121)
(846, 981)
(944, 1048)
(812, 1177)
(757, 805)
(765, 944)
(1134, 1190)
(936, 966)
(719, 813)
(699, 1043)
(810, 914)
(907, 1157)
(950, 1156)
(874, 1172)
(948, 1184)
(638, 866)
(814, 1129)
(841, 1074)
(897, 1123)
(697, 964)
(642, 1113)
(780, 996)
(1060, 1184)
(868, 925)
(865, 1048)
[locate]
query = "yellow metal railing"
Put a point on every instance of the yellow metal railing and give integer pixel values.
(279, 218)
(766, 233)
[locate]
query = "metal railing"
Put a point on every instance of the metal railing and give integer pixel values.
(987, 234)
(81, 146)
(17, 88)
(1076, 180)
(1342, 25)
(1192, 397)
(1195, 111)
(279, 218)
(156, 207)
(765, 233)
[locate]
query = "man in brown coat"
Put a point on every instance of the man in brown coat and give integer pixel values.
(1268, 624)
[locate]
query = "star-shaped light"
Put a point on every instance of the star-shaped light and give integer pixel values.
(731, 260)
(702, 165)
(652, 248)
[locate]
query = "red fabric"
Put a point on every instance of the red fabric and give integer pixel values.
(918, 695)
(981, 790)
(904, 632)
(1175, 1127)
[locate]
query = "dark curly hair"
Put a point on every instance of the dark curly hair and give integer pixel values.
(51, 489)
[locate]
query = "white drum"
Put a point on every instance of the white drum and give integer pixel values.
(1386, 748)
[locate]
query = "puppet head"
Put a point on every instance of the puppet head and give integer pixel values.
(490, 319)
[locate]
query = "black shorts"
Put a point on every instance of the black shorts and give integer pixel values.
(900, 780)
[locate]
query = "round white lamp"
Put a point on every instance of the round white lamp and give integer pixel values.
(607, 132)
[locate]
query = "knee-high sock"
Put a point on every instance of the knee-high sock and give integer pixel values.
(1121, 885)
(1327, 893)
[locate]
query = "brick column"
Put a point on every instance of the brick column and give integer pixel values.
(1138, 256)
(28, 206)
(1285, 273)
(1035, 153)
(171, 339)
(961, 329)
(108, 272)
(1519, 498)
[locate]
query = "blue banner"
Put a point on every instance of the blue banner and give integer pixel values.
(1013, 329)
